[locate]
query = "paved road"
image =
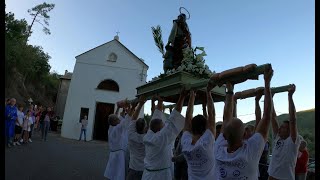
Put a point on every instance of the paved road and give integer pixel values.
(56, 159)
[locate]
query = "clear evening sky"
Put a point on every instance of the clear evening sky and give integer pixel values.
(234, 33)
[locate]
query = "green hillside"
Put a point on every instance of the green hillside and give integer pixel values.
(306, 127)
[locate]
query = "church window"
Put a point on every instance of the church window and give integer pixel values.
(109, 85)
(112, 57)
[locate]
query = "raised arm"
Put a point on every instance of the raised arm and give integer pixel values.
(263, 126)
(153, 106)
(257, 107)
(204, 110)
(141, 102)
(228, 106)
(179, 104)
(211, 110)
(117, 111)
(204, 107)
(235, 101)
(292, 114)
(131, 110)
(187, 125)
(274, 122)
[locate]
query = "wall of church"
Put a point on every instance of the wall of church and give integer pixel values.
(83, 92)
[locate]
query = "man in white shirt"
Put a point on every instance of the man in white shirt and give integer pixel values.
(285, 145)
(115, 169)
(198, 140)
(237, 158)
(157, 141)
(136, 132)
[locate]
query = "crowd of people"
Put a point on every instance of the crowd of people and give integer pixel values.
(21, 122)
(198, 148)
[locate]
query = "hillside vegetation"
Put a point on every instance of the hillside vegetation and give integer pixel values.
(27, 69)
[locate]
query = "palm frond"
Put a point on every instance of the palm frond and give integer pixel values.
(157, 36)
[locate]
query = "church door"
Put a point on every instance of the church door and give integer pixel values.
(101, 125)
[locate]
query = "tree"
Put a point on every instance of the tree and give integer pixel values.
(41, 12)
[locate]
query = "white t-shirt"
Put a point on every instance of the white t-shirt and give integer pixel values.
(241, 164)
(284, 158)
(200, 156)
(157, 161)
(136, 147)
(20, 117)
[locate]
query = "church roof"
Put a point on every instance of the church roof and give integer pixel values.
(122, 46)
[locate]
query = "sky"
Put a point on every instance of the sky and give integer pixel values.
(234, 33)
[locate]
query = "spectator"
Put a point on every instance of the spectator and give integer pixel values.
(18, 126)
(302, 162)
(10, 119)
(27, 126)
(84, 124)
(46, 124)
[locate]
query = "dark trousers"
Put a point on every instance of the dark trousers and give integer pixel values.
(83, 131)
(9, 131)
(181, 171)
(263, 169)
(134, 175)
(45, 129)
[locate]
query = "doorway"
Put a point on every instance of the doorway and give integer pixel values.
(101, 125)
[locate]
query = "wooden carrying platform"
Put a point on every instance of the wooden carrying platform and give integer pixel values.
(239, 74)
(252, 92)
(169, 88)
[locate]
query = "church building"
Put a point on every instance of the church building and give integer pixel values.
(101, 77)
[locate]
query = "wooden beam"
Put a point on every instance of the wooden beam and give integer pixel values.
(240, 74)
(252, 92)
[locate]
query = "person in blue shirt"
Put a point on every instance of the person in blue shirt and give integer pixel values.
(10, 119)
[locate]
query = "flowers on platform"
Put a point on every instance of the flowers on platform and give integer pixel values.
(193, 63)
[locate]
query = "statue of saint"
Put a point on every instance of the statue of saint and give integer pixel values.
(179, 38)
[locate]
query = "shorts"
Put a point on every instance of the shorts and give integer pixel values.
(18, 129)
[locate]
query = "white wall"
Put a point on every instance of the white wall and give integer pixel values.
(92, 68)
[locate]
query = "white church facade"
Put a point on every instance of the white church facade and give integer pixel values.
(102, 76)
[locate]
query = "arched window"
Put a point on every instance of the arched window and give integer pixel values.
(109, 85)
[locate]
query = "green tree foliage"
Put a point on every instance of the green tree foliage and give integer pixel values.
(25, 61)
(40, 12)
